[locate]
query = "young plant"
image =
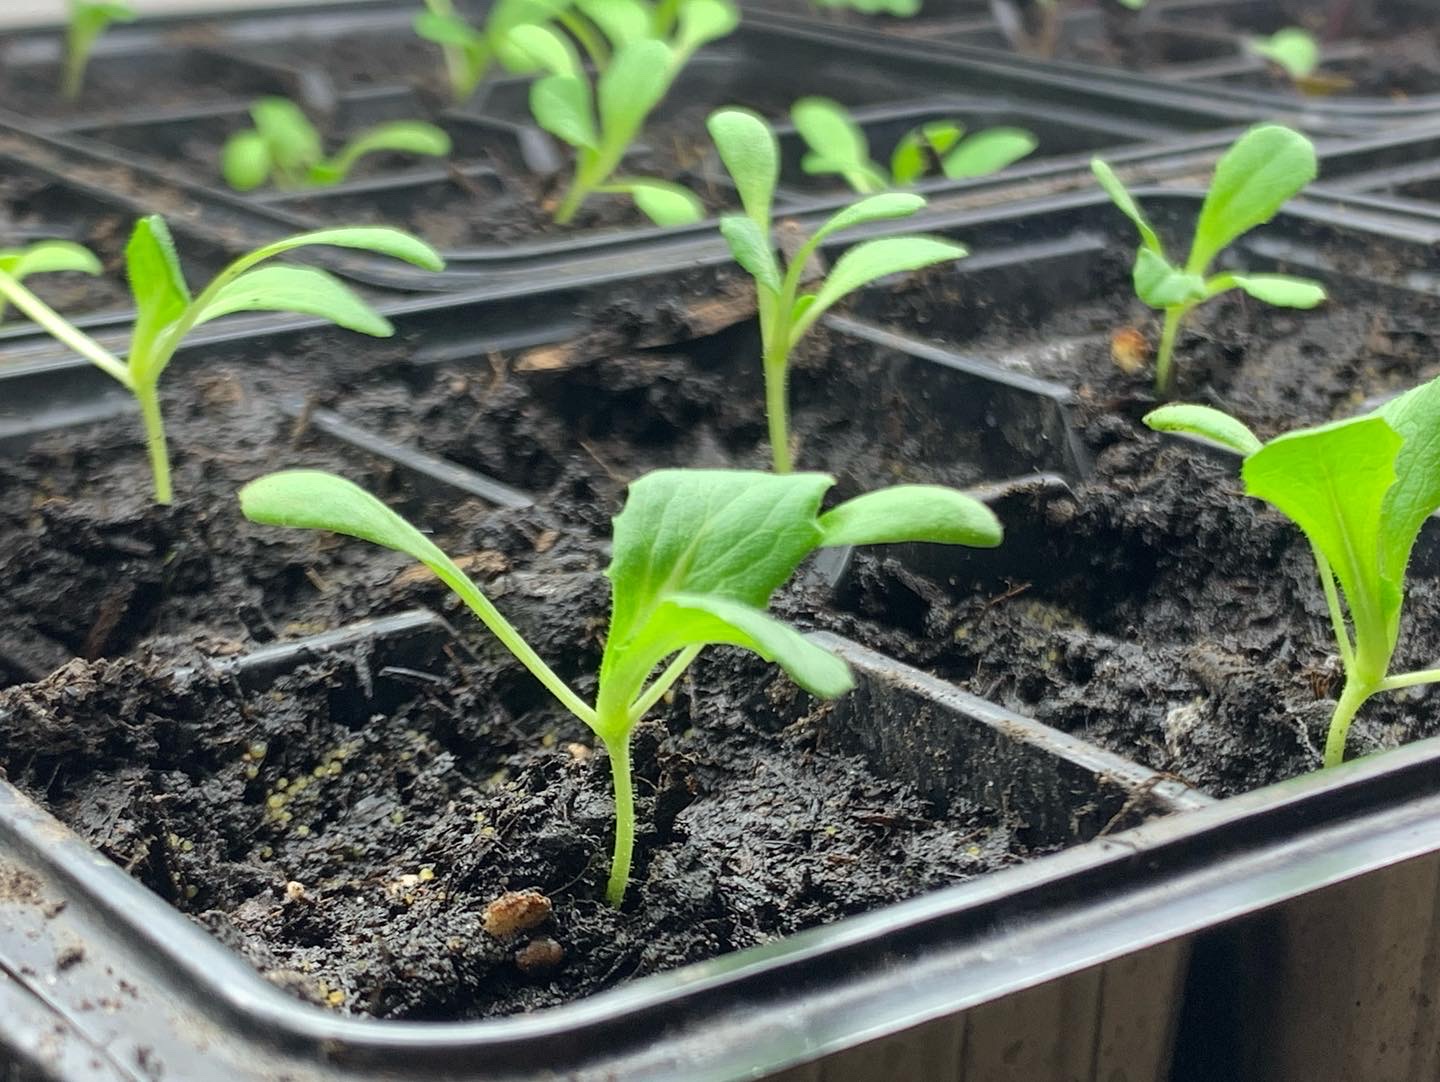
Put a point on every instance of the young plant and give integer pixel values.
(284, 145)
(838, 147)
(165, 311)
(1360, 490)
(696, 557)
(1253, 180)
(1293, 50)
(469, 52)
(900, 9)
(44, 257)
(89, 19)
(635, 74)
(751, 153)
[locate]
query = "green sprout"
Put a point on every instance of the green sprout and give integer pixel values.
(1292, 49)
(469, 52)
(44, 257)
(89, 19)
(635, 72)
(1360, 490)
(697, 555)
(751, 153)
(838, 147)
(285, 145)
(1255, 177)
(900, 9)
(165, 312)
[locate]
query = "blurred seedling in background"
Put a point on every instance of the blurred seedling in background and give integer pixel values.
(89, 20)
(45, 257)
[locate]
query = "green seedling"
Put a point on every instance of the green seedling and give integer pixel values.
(838, 147)
(1360, 490)
(470, 52)
(900, 9)
(285, 146)
(1292, 49)
(89, 19)
(751, 153)
(634, 75)
(697, 555)
(44, 257)
(165, 311)
(1253, 180)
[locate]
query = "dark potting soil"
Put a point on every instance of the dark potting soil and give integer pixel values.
(90, 567)
(348, 829)
(1156, 611)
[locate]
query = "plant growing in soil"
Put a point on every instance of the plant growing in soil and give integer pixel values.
(838, 146)
(284, 145)
(1360, 489)
(1293, 50)
(634, 75)
(900, 9)
(165, 311)
(469, 52)
(751, 153)
(697, 555)
(89, 19)
(1253, 180)
(43, 257)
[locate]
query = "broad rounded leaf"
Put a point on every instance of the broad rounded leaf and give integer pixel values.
(988, 152)
(829, 131)
(1253, 180)
(639, 74)
(305, 290)
(751, 153)
(702, 21)
(294, 143)
(752, 250)
(1161, 285)
(664, 203)
(547, 48)
(1204, 423)
(561, 105)
(620, 21)
(245, 161)
(912, 513)
(1293, 49)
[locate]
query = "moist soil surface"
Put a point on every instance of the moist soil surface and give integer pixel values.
(352, 829)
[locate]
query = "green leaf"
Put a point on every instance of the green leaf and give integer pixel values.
(1121, 197)
(305, 290)
(561, 105)
(912, 513)
(1331, 481)
(245, 161)
(1253, 180)
(379, 239)
(875, 208)
(157, 284)
(447, 30)
(48, 256)
(752, 250)
(871, 260)
(664, 203)
(547, 48)
(1206, 424)
(988, 152)
(1293, 49)
(864, 178)
(293, 142)
(751, 154)
(1161, 285)
(1415, 496)
(911, 158)
(621, 21)
(639, 74)
(399, 136)
(838, 143)
(703, 21)
(1280, 290)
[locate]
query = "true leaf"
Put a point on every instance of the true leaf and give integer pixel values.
(703, 21)
(1161, 285)
(633, 84)
(379, 239)
(1122, 198)
(620, 21)
(1205, 423)
(1280, 290)
(561, 105)
(830, 132)
(752, 250)
(305, 290)
(750, 152)
(887, 205)
(987, 152)
(156, 282)
(1253, 179)
(912, 513)
(876, 259)
(1415, 496)
(548, 48)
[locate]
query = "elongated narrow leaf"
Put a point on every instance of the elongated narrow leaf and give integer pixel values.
(157, 284)
(1205, 423)
(704, 21)
(49, 256)
(872, 260)
(1253, 180)
(1121, 197)
(547, 48)
(1161, 285)
(875, 208)
(1332, 481)
(561, 105)
(379, 239)
(751, 154)
(1415, 496)
(988, 152)
(639, 74)
(1280, 290)
(664, 203)
(304, 290)
(752, 250)
(245, 161)
(912, 513)
(833, 136)
(399, 137)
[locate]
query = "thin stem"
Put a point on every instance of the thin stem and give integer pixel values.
(1352, 697)
(149, 398)
(77, 53)
(589, 39)
(663, 683)
(1337, 614)
(1410, 679)
(777, 409)
(1163, 377)
(63, 331)
(619, 751)
(570, 204)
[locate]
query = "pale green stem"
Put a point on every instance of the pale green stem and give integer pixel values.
(1351, 699)
(777, 403)
(1165, 355)
(62, 330)
(618, 749)
(455, 63)
(77, 56)
(663, 683)
(1337, 614)
(1410, 679)
(149, 398)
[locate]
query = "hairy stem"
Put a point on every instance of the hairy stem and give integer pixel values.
(777, 403)
(1352, 697)
(618, 749)
(147, 394)
(1164, 377)
(663, 683)
(1337, 614)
